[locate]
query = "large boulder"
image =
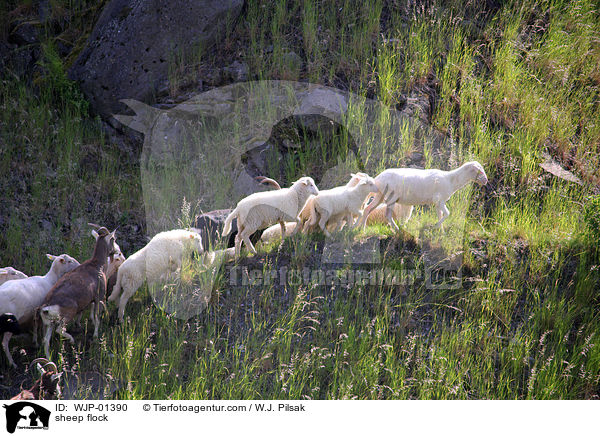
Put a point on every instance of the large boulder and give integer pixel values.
(134, 42)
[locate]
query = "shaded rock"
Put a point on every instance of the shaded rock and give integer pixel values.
(237, 71)
(210, 227)
(23, 34)
(209, 148)
(134, 41)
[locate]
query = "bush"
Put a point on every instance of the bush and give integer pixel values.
(591, 216)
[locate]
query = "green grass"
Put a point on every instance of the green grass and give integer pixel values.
(510, 84)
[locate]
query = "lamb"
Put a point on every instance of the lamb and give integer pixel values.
(161, 256)
(409, 186)
(274, 232)
(210, 224)
(9, 273)
(305, 214)
(261, 209)
(78, 289)
(341, 202)
(23, 297)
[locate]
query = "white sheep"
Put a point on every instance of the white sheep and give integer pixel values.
(400, 212)
(9, 273)
(261, 209)
(409, 186)
(153, 263)
(333, 221)
(274, 232)
(23, 297)
(341, 203)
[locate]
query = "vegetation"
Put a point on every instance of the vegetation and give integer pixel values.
(507, 84)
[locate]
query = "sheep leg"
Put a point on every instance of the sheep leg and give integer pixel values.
(125, 296)
(282, 225)
(389, 209)
(299, 227)
(323, 222)
(94, 315)
(238, 245)
(245, 235)
(5, 339)
(376, 201)
(443, 213)
(407, 212)
(47, 336)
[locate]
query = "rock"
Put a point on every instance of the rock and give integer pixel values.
(555, 169)
(23, 34)
(134, 41)
(237, 71)
(209, 148)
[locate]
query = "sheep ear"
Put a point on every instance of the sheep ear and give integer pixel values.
(49, 256)
(61, 259)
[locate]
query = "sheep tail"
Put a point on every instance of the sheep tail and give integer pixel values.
(228, 220)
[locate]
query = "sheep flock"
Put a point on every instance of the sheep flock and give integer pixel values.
(69, 289)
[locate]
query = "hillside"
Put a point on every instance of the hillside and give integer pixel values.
(513, 85)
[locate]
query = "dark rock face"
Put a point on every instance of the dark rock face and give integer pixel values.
(134, 41)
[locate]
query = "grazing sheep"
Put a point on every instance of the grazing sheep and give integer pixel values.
(46, 387)
(210, 224)
(77, 290)
(339, 203)
(23, 297)
(411, 186)
(261, 209)
(9, 273)
(161, 256)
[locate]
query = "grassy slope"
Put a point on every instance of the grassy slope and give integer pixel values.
(518, 81)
